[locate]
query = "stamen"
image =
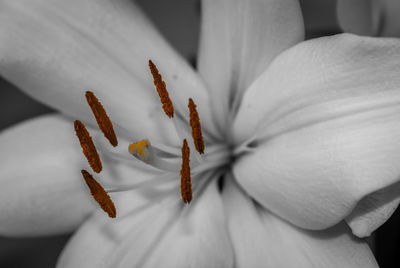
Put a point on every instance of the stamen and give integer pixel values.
(99, 194)
(103, 121)
(186, 185)
(162, 90)
(140, 149)
(196, 127)
(88, 148)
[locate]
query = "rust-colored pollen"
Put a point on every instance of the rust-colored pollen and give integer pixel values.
(186, 185)
(99, 194)
(88, 148)
(103, 121)
(196, 127)
(162, 90)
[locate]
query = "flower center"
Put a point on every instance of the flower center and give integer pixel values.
(196, 169)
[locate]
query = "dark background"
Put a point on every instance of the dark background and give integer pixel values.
(178, 21)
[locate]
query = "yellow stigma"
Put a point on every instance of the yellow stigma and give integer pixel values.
(140, 149)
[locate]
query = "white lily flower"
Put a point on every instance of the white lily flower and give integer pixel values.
(299, 136)
(370, 17)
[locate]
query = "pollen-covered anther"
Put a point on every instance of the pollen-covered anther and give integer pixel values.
(140, 149)
(196, 127)
(103, 121)
(162, 90)
(88, 148)
(99, 194)
(186, 184)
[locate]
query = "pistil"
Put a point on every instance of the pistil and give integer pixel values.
(140, 149)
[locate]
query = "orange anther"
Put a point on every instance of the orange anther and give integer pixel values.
(88, 148)
(162, 90)
(196, 127)
(103, 121)
(99, 194)
(186, 185)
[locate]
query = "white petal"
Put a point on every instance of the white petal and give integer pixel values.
(238, 41)
(156, 236)
(360, 16)
(259, 237)
(390, 18)
(199, 238)
(370, 17)
(56, 51)
(41, 191)
(373, 210)
(326, 131)
(103, 242)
